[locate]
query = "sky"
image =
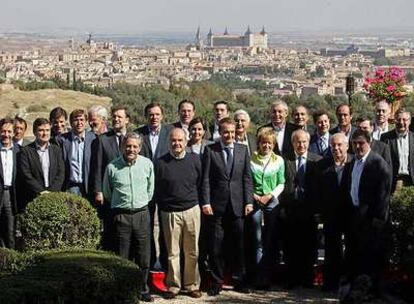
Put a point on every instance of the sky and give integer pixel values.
(137, 16)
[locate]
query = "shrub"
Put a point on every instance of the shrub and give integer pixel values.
(73, 277)
(12, 261)
(59, 221)
(36, 108)
(402, 215)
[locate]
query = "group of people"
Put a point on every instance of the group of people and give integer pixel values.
(228, 200)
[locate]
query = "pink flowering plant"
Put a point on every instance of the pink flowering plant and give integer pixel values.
(386, 84)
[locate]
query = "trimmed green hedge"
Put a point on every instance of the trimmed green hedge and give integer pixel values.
(402, 216)
(12, 261)
(72, 277)
(59, 220)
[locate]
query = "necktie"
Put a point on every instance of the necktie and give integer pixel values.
(120, 139)
(229, 163)
(323, 144)
(300, 175)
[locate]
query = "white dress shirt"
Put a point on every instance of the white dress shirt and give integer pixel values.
(7, 163)
(356, 178)
(378, 131)
(280, 135)
(403, 153)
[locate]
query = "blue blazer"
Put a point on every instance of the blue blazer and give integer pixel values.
(66, 144)
(315, 148)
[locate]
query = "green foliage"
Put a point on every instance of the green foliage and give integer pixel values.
(12, 261)
(73, 277)
(58, 221)
(402, 215)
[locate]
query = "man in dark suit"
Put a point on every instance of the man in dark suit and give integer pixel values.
(333, 198)
(370, 190)
(319, 142)
(106, 148)
(298, 204)
(365, 124)
(8, 201)
(300, 116)
(279, 112)
(40, 163)
(242, 120)
(77, 150)
(186, 112)
(401, 144)
(155, 137)
(226, 199)
(20, 127)
(57, 117)
(221, 110)
(344, 116)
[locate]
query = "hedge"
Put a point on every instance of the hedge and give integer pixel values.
(59, 221)
(72, 277)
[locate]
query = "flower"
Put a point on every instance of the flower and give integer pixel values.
(385, 84)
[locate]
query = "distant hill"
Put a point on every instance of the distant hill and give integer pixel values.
(33, 104)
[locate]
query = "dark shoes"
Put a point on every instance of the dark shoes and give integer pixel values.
(195, 294)
(214, 290)
(146, 297)
(169, 295)
(242, 288)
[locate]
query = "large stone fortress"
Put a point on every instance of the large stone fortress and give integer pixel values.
(248, 40)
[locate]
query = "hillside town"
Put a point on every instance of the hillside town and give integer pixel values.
(285, 71)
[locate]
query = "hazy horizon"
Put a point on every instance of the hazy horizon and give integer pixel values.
(128, 16)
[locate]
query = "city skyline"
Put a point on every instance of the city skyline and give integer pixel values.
(127, 16)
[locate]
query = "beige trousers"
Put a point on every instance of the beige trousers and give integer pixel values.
(182, 229)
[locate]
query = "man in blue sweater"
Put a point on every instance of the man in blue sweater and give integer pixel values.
(177, 180)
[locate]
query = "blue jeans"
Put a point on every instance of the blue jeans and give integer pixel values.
(265, 240)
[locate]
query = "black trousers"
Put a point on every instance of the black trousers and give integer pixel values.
(300, 248)
(334, 230)
(226, 232)
(7, 230)
(132, 239)
(368, 248)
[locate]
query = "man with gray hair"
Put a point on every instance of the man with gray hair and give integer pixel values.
(401, 143)
(178, 181)
(382, 114)
(298, 204)
(129, 185)
(334, 173)
(97, 118)
(279, 113)
(242, 119)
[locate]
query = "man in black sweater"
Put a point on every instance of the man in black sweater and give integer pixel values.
(177, 180)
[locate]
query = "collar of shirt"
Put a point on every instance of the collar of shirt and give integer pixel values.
(38, 147)
(241, 139)
(126, 163)
(3, 148)
(278, 129)
(402, 135)
(323, 136)
(304, 156)
(384, 129)
(80, 137)
(223, 146)
(181, 156)
(363, 159)
(154, 131)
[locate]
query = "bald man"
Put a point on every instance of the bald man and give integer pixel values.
(177, 180)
